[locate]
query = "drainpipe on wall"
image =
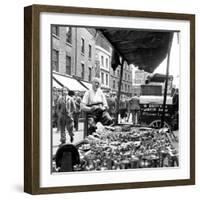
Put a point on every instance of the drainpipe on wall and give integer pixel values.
(75, 57)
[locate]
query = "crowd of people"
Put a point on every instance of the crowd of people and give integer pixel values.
(68, 105)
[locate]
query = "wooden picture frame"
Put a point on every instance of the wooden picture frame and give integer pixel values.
(32, 106)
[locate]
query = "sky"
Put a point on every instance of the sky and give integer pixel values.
(174, 65)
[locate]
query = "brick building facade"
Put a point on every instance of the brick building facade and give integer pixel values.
(73, 52)
(85, 53)
(104, 60)
(126, 86)
(140, 78)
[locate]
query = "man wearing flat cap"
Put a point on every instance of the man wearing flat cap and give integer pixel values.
(95, 104)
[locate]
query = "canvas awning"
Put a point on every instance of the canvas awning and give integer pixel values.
(145, 49)
(87, 85)
(69, 82)
(56, 84)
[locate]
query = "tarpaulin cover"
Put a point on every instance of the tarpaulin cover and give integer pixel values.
(145, 49)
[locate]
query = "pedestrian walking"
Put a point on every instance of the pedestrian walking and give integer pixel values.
(134, 109)
(77, 112)
(123, 108)
(55, 96)
(66, 108)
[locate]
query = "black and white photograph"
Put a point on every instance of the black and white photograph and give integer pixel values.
(110, 99)
(114, 99)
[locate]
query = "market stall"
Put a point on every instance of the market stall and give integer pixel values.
(127, 147)
(151, 102)
(145, 49)
(124, 147)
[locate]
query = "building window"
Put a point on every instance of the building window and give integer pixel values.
(90, 51)
(113, 84)
(102, 61)
(83, 71)
(125, 76)
(122, 86)
(125, 87)
(68, 65)
(128, 88)
(128, 77)
(113, 72)
(69, 34)
(106, 62)
(106, 79)
(138, 81)
(55, 30)
(90, 74)
(118, 74)
(82, 45)
(102, 77)
(55, 60)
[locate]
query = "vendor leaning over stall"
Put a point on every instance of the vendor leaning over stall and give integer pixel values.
(95, 105)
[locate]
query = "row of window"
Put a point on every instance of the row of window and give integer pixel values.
(126, 76)
(83, 48)
(104, 79)
(104, 76)
(124, 86)
(55, 65)
(55, 62)
(56, 31)
(102, 62)
(83, 72)
(127, 67)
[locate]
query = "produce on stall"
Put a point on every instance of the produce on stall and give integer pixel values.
(134, 148)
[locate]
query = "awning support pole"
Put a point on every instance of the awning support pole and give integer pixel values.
(119, 92)
(166, 81)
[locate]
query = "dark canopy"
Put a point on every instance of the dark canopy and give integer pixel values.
(145, 49)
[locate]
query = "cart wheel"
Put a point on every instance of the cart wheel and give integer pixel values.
(157, 124)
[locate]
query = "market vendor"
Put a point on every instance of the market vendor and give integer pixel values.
(95, 105)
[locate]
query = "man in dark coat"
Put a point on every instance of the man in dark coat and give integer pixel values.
(65, 111)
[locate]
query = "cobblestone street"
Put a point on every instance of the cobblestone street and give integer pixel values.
(78, 136)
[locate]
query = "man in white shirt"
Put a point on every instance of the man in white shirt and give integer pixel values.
(95, 104)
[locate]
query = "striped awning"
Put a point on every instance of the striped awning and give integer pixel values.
(69, 82)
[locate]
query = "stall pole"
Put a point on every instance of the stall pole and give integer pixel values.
(166, 81)
(119, 92)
